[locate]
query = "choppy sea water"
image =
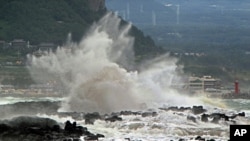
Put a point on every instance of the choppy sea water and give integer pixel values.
(167, 125)
(6, 100)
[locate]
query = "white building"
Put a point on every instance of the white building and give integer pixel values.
(204, 84)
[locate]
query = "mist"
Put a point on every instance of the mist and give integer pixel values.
(99, 72)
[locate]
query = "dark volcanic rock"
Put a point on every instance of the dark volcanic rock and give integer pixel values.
(113, 118)
(4, 127)
(91, 117)
(204, 117)
(199, 138)
(27, 121)
(149, 114)
(242, 114)
(217, 116)
(175, 108)
(126, 113)
(191, 118)
(198, 110)
(41, 129)
(93, 137)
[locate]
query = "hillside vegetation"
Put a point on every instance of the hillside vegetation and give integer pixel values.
(51, 20)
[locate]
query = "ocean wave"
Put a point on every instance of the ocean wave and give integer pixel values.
(8, 100)
(29, 108)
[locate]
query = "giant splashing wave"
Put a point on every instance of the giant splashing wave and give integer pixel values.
(99, 72)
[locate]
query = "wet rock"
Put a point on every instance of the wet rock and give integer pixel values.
(126, 113)
(217, 116)
(173, 108)
(211, 140)
(68, 126)
(56, 128)
(4, 127)
(184, 108)
(198, 110)
(89, 121)
(204, 117)
(191, 118)
(113, 118)
(72, 128)
(91, 138)
(100, 135)
(216, 119)
(149, 114)
(199, 138)
(91, 117)
(44, 129)
(242, 114)
(29, 121)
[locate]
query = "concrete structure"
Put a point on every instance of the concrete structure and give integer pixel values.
(18, 43)
(46, 46)
(204, 84)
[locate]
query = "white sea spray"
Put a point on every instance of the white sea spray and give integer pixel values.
(99, 73)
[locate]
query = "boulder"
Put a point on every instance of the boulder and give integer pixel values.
(129, 113)
(198, 110)
(93, 137)
(4, 128)
(199, 138)
(113, 118)
(91, 117)
(147, 114)
(45, 129)
(242, 114)
(204, 117)
(192, 118)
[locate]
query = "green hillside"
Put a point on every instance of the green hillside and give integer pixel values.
(51, 20)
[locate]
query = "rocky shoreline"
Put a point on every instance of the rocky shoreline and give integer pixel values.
(30, 128)
(43, 129)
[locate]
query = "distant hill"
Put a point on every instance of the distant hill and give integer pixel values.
(46, 20)
(218, 29)
(51, 20)
(165, 12)
(142, 12)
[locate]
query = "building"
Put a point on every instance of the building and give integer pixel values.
(2, 43)
(204, 84)
(18, 43)
(6, 89)
(46, 46)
